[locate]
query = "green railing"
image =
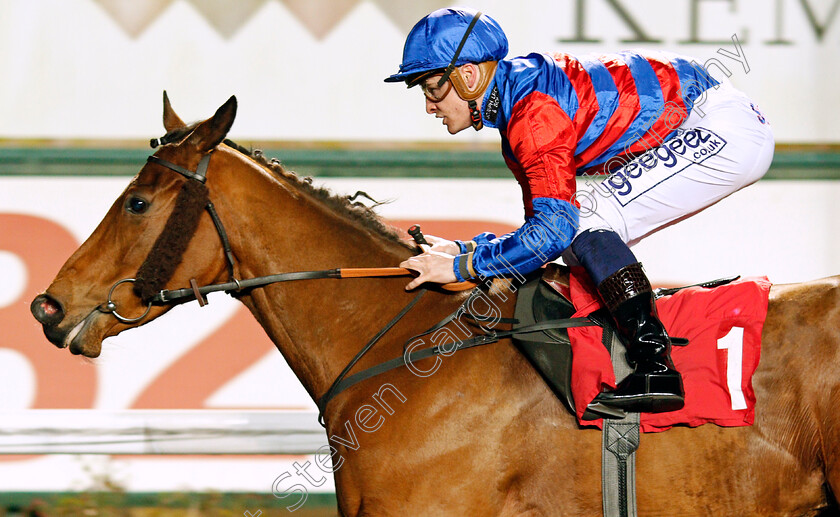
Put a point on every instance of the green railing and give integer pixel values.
(51, 161)
(180, 504)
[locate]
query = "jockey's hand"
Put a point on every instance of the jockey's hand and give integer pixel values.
(442, 245)
(433, 266)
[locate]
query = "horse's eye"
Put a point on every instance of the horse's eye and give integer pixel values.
(136, 205)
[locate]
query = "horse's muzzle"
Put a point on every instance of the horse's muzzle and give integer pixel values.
(49, 313)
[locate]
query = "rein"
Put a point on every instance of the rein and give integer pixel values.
(176, 295)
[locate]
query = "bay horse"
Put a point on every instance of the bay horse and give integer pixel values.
(479, 433)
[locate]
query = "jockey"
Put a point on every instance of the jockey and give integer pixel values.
(673, 139)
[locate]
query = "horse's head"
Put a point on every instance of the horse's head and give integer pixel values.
(153, 237)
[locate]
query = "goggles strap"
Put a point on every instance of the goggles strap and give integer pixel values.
(459, 49)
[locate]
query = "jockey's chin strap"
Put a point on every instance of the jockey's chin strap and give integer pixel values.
(475, 115)
(486, 73)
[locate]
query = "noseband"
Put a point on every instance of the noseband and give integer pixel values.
(168, 249)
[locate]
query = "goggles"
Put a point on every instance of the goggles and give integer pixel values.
(434, 90)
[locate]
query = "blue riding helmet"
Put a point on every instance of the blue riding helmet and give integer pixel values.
(434, 41)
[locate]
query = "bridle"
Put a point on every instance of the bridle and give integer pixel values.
(235, 286)
(200, 176)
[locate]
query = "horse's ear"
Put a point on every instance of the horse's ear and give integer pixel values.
(212, 131)
(171, 120)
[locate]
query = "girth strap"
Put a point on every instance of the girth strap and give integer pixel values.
(620, 440)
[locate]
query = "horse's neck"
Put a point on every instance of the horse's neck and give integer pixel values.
(317, 324)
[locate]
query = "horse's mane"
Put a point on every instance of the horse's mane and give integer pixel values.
(342, 205)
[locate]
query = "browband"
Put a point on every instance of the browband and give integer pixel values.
(199, 175)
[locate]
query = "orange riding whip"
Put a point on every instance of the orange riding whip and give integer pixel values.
(417, 235)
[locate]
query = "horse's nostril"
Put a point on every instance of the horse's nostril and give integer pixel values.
(47, 310)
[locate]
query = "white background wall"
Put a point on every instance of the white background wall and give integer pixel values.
(313, 70)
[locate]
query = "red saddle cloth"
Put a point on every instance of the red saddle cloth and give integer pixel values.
(723, 326)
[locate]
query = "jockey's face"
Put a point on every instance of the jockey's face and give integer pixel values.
(445, 104)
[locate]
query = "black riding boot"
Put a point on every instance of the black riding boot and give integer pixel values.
(654, 386)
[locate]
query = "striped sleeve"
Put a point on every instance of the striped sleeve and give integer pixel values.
(540, 240)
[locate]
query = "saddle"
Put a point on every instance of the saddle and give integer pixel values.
(547, 296)
(544, 297)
